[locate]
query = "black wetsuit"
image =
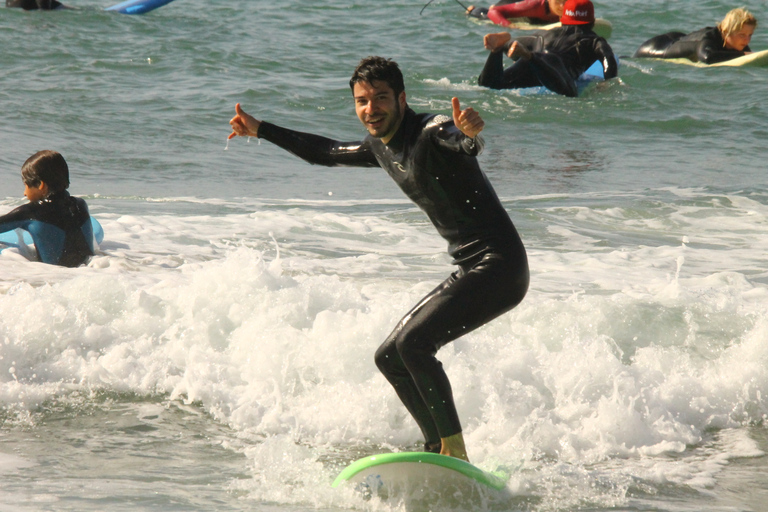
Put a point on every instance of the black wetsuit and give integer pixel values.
(706, 45)
(434, 164)
(31, 5)
(560, 56)
(60, 227)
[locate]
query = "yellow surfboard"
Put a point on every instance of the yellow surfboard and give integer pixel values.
(754, 59)
(603, 28)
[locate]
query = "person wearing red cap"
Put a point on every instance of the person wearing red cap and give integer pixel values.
(537, 11)
(552, 58)
(728, 40)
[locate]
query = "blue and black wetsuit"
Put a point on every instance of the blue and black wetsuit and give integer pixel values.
(60, 227)
(560, 56)
(706, 45)
(32, 5)
(435, 165)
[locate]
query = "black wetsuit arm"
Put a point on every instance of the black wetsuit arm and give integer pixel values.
(712, 49)
(17, 218)
(448, 136)
(607, 58)
(319, 150)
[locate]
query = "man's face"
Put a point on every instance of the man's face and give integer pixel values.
(378, 108)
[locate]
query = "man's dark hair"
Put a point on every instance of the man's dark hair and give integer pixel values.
(373, 69)
(46, 166)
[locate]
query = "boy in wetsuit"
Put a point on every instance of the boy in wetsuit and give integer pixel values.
(433, 160)
(710, 45)
(553, 58)
(59, 223)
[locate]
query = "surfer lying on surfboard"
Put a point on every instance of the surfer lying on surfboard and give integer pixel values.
(553, 58)
(433, 160)
(728, 40)
(537, 11)
(127, 7)
(59, 223)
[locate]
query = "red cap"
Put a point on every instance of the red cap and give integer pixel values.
(578, 12)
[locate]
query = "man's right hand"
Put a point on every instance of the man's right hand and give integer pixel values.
(243, 124)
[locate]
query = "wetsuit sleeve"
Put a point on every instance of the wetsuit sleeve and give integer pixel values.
(319, 150)
(712, 50)
(446, 135)
(17, 218)
(607, 58)
(522, 9)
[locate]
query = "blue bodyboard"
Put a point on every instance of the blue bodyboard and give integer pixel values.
(138, 6)
(11, 238)
(593, 74)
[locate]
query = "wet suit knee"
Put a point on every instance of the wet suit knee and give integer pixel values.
(518, 75)
(493, 72)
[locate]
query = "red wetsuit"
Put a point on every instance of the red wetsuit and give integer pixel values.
(537, 10)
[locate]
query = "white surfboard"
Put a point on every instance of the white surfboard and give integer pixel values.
(754, 59)
(603, 27)
(392, 473)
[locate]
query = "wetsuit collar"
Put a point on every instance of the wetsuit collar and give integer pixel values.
(61, 194)
(396, 142)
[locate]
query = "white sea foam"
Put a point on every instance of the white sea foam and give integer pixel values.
(269, 321)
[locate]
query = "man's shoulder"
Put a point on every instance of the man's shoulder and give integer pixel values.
(433, 121)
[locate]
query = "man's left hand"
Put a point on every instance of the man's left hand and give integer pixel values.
(468, 120)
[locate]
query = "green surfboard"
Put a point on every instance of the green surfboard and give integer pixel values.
(393, 470)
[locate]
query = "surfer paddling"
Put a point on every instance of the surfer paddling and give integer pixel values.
(433, 160)
(553, 58)
(728, 40)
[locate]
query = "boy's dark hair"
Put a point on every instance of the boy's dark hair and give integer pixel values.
(373, 69)
(46, 166)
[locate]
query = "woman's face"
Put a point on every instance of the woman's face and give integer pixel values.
(740, 39)
(556, 6)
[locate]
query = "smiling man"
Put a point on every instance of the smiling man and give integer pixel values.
(433, 160)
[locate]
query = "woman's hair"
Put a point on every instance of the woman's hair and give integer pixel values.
(46, 166)
(373, 69)
(735, 20)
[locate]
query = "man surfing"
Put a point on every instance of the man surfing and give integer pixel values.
(433, 160)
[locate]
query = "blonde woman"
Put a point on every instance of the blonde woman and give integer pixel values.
(728, 40)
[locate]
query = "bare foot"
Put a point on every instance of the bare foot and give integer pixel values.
(494, 42)
(453, 446)
(470, 9)
(518, 51)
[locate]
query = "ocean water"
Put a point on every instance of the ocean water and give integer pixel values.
(217, 352)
